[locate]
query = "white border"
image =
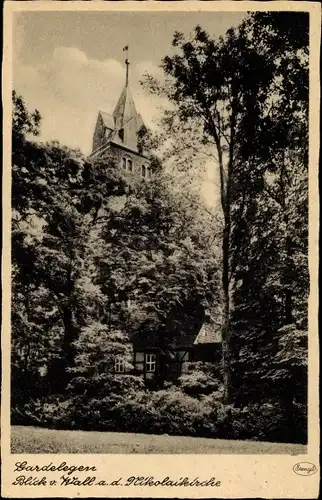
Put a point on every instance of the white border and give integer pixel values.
(242, 476)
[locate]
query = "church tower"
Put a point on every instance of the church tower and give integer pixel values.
(116, 135)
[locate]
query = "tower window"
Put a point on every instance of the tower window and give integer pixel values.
(129, 167)
(150, 362)
(121, 134)
(127, 164)
(146, 171)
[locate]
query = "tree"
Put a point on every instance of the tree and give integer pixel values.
(211, 93)
(270, 214)
(88, 238)
(97, 348)
(230, 97)
(56, 195)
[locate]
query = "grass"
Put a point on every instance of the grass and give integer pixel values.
(38, 440)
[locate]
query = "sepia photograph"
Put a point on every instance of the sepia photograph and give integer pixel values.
(160, 229)
(161, 204)
(159, 232)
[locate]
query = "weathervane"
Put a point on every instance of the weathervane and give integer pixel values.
(127, 62)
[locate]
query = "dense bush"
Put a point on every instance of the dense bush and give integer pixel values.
(52, 412)
(95, 403)
(163, 412)
(198, 383)
(166, 412)
(105, 384)
(121, 404)
(265, 422)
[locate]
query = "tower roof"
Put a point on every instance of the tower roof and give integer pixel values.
(125, 108)
(122, 128)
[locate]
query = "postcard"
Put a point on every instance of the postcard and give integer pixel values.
(160, 257)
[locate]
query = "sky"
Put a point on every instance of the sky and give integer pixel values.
(70, 65)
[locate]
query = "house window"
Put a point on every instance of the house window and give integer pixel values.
(150, 362)
(119, 365)
(124, 163)
(143, 170)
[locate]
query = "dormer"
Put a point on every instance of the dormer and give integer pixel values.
(103, 130)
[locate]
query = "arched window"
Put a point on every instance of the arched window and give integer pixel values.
(129, 166)
(146, 171)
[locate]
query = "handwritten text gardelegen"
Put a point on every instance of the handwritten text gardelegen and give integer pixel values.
(68, 477)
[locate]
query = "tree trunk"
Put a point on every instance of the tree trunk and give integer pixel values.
(290, 431)
(226, 317)
(225, 197)
(288, 277)
(69, 335)
(288, 266)
(58, 371)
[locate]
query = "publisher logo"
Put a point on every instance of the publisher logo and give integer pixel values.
(305, 469)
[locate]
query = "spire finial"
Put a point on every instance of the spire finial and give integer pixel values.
(127, 62)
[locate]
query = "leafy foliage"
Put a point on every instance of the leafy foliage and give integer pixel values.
(201, 379)
(95, 253)
(241, 100)
(270, 232)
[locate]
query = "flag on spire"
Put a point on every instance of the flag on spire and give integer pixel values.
(126, 48)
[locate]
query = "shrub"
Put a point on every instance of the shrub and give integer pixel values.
(95, 401)
(177, 413)
(198, 383)
(106, 383)
(300, 422)
(54, 412)
(164, 412)
(123, 405)
(262, 422)
(213, 369)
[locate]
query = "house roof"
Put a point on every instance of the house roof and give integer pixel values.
(210, 333)
(148, 337)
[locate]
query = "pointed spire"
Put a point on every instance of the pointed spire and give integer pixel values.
(125, 123)
(124, 109)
